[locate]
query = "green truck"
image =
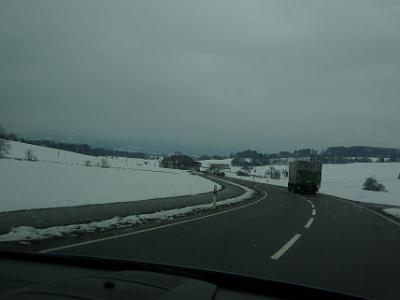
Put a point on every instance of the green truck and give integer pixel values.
(305, 176)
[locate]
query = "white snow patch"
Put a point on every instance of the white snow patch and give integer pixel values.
(393, 211)
(27, 233)
(59, 179)
(342, 180)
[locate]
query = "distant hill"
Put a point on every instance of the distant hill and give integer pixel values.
(361, 151)
(333, 155)
(84, 149)
(340, 154)
(208, 157)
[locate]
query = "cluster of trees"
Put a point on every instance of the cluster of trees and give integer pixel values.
(30, 156)
(371, 184)
(362, 151)
(254, 158)
(360, 154)
(85, 149)
(343, 160)
(250, 158)
(334, 155)
(4, 144)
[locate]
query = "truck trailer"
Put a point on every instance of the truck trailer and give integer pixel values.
(305, 176)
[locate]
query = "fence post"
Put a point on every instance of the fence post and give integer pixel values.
(214, 203)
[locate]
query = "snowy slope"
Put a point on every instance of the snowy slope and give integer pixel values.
(346, 181)
(62, 180)
(60, 156)
(31, 233)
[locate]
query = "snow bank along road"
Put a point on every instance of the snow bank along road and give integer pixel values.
(48, 217)
(311, 239)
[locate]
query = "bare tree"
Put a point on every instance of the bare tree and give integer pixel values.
(4, 147)
(29, 155)
(87, 163)
(4, 144)
(3, 132)
(104, 163)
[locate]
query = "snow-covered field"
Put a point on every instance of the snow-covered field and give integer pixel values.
(341, 180)
(59, 178)
(26, 233)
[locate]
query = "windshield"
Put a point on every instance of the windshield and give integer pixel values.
(253, 137)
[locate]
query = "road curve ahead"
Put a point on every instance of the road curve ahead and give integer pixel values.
(316, 240)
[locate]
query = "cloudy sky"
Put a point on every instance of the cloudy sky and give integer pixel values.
(202, 76)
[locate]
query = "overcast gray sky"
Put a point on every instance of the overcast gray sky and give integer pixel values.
(203, 76)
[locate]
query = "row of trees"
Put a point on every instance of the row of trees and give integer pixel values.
(85, 149)
(334, 155)
(4, 143)
(79, 148)
(5, 148)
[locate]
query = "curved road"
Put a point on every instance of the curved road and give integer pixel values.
(315, 240)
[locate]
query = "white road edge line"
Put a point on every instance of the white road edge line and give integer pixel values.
(150, 229)
(308, 225)
(366, 208)
(314, 212)
(286, 247)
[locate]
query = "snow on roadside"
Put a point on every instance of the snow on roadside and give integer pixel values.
(393, 211)
(59, 179)
(32, 185)
(28, 233)
(346, 181)
(341, 180)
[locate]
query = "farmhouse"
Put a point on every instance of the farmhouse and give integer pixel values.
(179, 161)
(217, 167)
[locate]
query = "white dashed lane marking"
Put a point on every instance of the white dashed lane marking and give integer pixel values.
(309, 223)
(286, 247)
(294, 239)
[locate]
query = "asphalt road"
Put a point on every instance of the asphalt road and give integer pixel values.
(315, 240)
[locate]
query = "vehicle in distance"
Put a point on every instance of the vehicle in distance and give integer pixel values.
(305, 176)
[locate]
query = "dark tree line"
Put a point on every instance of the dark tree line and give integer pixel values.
(334, 155)
(362, 151)
(79, 148)
(4, 144)
(208, 157)
(85, 149)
